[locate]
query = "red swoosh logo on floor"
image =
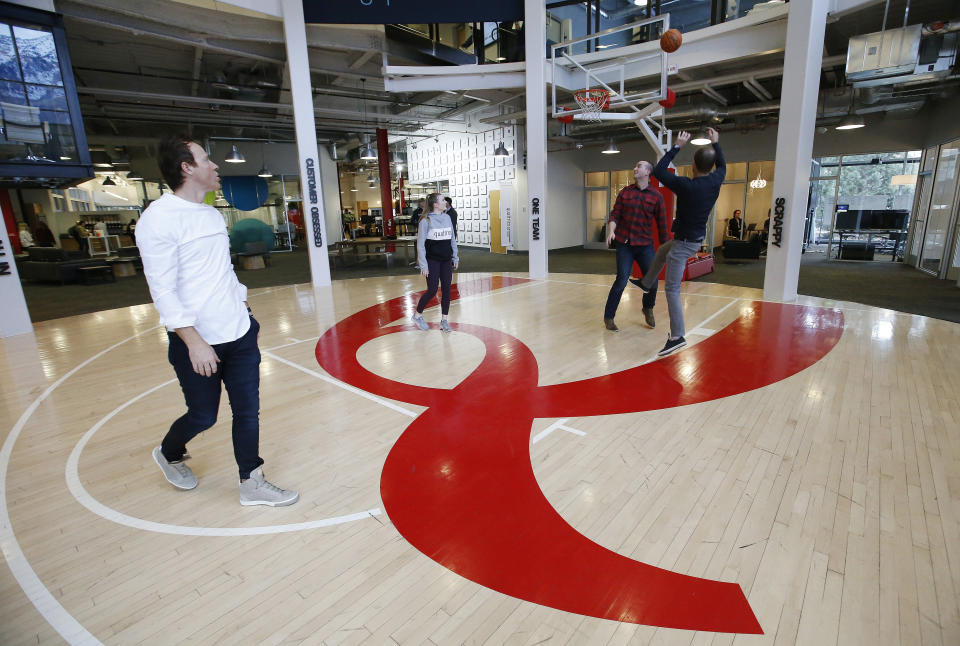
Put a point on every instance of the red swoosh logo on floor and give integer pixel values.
(460, 487)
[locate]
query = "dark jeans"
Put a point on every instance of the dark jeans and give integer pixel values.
(437, 271)
(626, 255)
(239, 371)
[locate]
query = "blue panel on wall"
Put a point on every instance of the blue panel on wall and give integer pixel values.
(245, 192)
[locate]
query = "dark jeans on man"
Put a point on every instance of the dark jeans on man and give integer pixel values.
(239, 371)
(626, 256)
(437, 271)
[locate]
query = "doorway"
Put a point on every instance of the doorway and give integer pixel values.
(597, 210)
(821, 215)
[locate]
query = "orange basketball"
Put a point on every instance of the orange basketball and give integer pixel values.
(671, 41)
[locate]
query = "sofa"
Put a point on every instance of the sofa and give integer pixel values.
(742, 249)
(50, 264)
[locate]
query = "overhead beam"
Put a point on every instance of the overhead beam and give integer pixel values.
(262, 49)
(197, 62)
(231, 26)
(267, 105)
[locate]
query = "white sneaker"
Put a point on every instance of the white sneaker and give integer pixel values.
(445, 326)
(255, 490)
(177, 473)
(419, 322)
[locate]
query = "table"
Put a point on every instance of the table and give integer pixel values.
(103, 272)
(123, 267)
(897, 236)
(406, 242)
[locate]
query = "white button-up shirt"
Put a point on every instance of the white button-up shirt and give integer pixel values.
(186, 260)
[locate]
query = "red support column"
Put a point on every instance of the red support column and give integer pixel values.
(9, 221)
(386, 192)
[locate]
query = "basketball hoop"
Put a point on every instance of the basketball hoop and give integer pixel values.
(593, 101)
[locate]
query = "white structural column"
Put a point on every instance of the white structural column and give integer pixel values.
(535, 24)
(14, 318)
(311, 188)
(791, 179)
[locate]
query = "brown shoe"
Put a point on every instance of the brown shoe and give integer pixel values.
(611, 325)
(648, 317)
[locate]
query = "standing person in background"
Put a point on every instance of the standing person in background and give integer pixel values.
(638, 209)
(211, 330)
(43, 236)
(437, 254)
(695, 200)
(452, 212)
(418, 212)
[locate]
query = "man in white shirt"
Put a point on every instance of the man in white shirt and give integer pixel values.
(213, 335)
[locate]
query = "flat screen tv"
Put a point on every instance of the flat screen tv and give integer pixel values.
(848, 220)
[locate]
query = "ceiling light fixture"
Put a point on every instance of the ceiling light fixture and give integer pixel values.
(758, 183)
(700, 141)
(263, 172)
(611, 149)
(108, 182)
(501, 151)
(851, 122)
(235, 157)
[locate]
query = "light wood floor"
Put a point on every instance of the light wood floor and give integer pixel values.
(831, 497)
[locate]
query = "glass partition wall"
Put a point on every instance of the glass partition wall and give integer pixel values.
(874, 193)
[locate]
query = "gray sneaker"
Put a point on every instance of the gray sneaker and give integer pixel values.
(177, 473)
(419, 322)
(255, 490)
(445, 326)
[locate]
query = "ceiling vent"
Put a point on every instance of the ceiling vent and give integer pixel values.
(899, 55)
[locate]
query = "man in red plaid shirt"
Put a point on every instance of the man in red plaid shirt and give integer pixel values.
(639, 207)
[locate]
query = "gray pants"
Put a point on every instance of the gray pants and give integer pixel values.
(674, 255)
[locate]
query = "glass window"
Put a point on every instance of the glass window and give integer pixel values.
(825, 167)
(38, 56)
(935, 237)
(621, 178)
(9, 65)
(759, 199)
(597, 179)
(737, 171)
(33, 104)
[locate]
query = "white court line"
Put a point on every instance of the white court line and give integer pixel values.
(558, 425)
(659, 291)
(699, 327)
(84, 498)
(45, 603)
(287, 345)
(703, 331)
(345, 386)
(718, 313)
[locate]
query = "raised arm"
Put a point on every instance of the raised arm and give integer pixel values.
(662, 170)
(720, 172)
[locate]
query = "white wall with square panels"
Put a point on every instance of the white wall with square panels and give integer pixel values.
(467, 162)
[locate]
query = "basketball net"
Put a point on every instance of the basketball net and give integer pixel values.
(593, 101)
